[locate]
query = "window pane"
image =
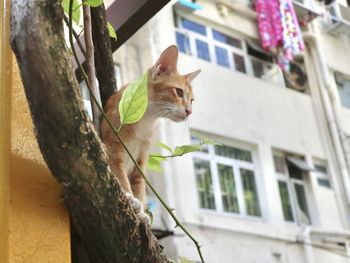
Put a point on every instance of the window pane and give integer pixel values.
(193, 26)
(321, 169)
(302, 204)
(343, 90)
(285, 200)
(258, 68)
(222, 57)
(324, 182)
(227, 39)
(204, 184)
(228, 189)
(295, 172)
(250, 192)
(279, 164)
(202, 50)
(239, 63)
(234, 153)
(183, 43)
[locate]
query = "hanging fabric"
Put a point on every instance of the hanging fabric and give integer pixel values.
(279, 29)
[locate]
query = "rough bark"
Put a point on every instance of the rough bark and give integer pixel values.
(68, 141)
(103, 53)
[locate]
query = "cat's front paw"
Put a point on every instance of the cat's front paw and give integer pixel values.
(136, 205)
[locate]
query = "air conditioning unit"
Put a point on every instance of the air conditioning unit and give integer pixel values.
(337, 20)
(306, 10)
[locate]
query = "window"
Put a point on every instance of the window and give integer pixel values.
(343, 83)
(225, 50)
(321, 171)
(226, 182)
(290, 177)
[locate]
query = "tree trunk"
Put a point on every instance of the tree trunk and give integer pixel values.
(67, 139)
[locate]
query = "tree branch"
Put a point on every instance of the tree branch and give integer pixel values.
(90, 61)
(68, 141)
(103, 53)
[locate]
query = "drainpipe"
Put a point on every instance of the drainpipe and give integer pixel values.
(325, 87)
(309, 255)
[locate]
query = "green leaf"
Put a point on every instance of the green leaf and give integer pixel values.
(111, 31)
(93, 3)
(154, 163)
(133, 103)
(76, 10)
(164, 146)
(205, 140)
(181, 150)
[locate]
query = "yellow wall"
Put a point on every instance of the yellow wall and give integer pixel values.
(34, 225)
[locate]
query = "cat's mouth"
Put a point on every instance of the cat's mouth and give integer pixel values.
(178, 117)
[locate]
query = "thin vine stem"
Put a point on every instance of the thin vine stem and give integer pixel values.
(169, 210)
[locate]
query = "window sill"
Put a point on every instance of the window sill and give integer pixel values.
(249, 225)
(203, 212)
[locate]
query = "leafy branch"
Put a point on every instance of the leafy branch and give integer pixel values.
(155, 159)
(128, 92)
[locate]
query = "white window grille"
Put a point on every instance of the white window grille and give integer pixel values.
(226, 179)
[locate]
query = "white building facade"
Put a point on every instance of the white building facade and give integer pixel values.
(278, 189)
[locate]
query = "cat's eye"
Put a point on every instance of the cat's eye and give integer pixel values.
(192, 100)
(179, 92)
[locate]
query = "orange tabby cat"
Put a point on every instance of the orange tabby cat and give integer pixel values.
(169, 95)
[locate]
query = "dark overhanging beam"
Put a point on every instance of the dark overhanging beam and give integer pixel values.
(129, 16)
(126, 17)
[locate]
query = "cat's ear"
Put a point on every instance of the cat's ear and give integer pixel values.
(192, 76)
(167, 60)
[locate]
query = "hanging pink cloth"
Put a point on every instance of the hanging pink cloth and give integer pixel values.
(279, 29)
(269, 23)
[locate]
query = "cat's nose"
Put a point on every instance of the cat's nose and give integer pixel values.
(188, 112)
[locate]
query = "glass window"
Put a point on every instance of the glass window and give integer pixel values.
(321, 168)
(302, 204)
(250, 192)
(292, 189)
(285, 200)
(239, 63)
(222, 57)
(279, 164)
(193, 26)
(227, 39)
(232, 152)
(258, 68)
(322, 175)
(343, 84)
(226, 184)
(202, 50)
(324, 182)
(228, 189)
(204, 184)
(183, 43)
(295, 172)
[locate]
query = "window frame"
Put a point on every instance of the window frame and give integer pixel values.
(285, 177)
(236, 165)
(212, 42)
(232, 50)
(322, 175)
